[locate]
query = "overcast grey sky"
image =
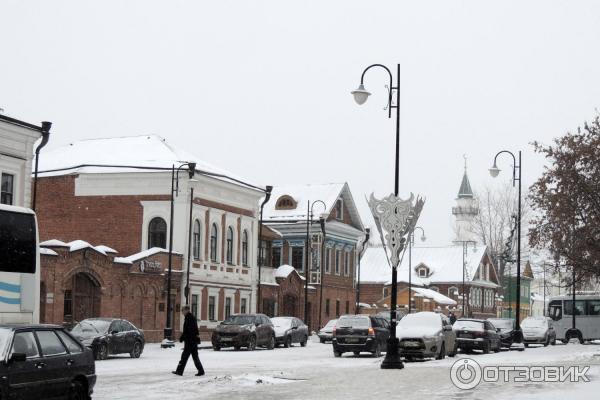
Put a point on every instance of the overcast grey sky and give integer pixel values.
(262, 88)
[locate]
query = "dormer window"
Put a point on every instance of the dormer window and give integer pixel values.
(422, 272)
(285, 202)
(339, 209)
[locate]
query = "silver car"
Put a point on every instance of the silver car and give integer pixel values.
(426, 334)
(326, 333)
(289, 330)
(538, 330)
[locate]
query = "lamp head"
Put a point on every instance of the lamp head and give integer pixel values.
(191, 169)
(423, 238)
(360, 95)
(494, 171)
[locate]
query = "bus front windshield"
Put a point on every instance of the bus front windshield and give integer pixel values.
(17, 242)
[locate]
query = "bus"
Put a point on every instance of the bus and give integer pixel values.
(587, 317)
(19, 266)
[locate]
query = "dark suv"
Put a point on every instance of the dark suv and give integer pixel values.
(476, 334)
(244, 330)
(358, 333)
(44, 361)
(106, 336)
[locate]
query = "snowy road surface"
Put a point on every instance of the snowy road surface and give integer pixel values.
(313, 373)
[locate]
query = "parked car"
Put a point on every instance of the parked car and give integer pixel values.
(476, 334)
(107, 336)
(426, 334)
(538, 330)
(326, 333)
(44, 361)
(506, 330)
(244, 330)
(289, 330)
(358, 333)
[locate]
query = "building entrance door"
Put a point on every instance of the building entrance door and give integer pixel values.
(86, 297)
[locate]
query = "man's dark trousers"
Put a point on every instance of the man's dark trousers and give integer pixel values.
(190, 349)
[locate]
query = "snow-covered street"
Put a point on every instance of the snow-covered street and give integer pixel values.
(313, 373)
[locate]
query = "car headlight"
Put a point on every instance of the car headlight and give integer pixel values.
(430, 338)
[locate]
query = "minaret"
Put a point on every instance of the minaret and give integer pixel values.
(465, 211)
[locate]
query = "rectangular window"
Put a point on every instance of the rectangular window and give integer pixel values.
(579, 307)
(347, 307)
(227, 307)
(211, 308)
(337, 308)
(276, 257)
(327, 261)
(346, 265)
(327, 307)
(593, 307)
(298, 258)
(338, 255)
(243, 306)
(7, 189)
(195, 305)
(68, 305)
(269, 307)
(339, 210)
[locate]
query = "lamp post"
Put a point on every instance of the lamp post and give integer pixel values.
(411, 243)
(268, 191)
(189, 252)
(322, 220)
(393, 215)
(168, 331)
(309, 221)
(494, 171)
(363, 248)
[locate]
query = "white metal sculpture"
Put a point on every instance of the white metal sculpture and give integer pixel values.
(395, 218)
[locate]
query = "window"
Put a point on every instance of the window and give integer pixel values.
(157, 233)
(245, 248)
(7, 189)
(327, 307)
(269, 307)
(579, 307)
(126, 326)
(68, 304)
(422, 272)
(196, 240)
(194, 307)
(298, 258)
(24, 343)
(50, 343)
(230, 245)
(339, 209)
(337, 308)
(211, 308)
(285, 203)
(213, 243)
(227, 307)
(327, 260)
(72, 344)
(347, 307)
(593, 307)
(276, 257)
(243, 306)
(346, 266)
(338, 255)
(452, 291)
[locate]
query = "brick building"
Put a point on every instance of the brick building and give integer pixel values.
(331, 287)
(117, 192)
(81, 281)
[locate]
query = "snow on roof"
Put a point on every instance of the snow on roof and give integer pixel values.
(106, 249)
(151, 151)
(444, 263)
(54, 243)
(141, 255)
(302, 194)
(76, 245)
(435, 296)
(48, 252)
(284, 271)
(364, 305)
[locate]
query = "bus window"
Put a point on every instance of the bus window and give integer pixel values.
(555, 310)
(579, 307)
(593, 307)
(17, 242)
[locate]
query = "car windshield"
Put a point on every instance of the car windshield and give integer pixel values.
(91, 327)
(353, 322)
(502, 323)
(239, 320)
(4, 338)
(282, 322)
(468, 325)
(423, 320)
(534, 323)
(331, 323)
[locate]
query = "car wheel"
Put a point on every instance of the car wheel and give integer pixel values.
(322, 340)
(236, 348)
(303, 342)
(252, 343)
(356, 353)
(486, 348)
(337, 354)
(288, 342)
(377, 352)
(136, 352)
(271, 344)
(101, 352)
(527, 345)
(77, 391)
(216, 347)
(553, 342)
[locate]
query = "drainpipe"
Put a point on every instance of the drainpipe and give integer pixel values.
(45, 130)
(268, 191)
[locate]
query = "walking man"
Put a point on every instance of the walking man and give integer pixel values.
(191, 338)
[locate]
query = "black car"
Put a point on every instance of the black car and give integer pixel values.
(244, 330)
(106, 336)
(44, 361)
(506, 330)
(476, 334)
(358, 333)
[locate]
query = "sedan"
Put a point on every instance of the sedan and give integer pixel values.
(506, 330)
(426, 334)
(326, 333)
(107, 336)
(476, 334)
(290, 330)
(538, 330)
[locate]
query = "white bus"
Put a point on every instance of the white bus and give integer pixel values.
(587, 317)
(19, 266)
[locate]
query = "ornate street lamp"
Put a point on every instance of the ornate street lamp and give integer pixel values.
(309, 222)
(395, 218)
(494, 172)
(410, 246)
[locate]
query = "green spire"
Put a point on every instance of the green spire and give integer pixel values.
(465, 190)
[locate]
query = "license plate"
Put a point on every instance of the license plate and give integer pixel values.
(411, 344)
(351, 340)
(226, 339)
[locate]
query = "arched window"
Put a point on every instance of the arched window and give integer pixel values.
(230, 245)
(245, 248)
(196, 240)
(213, 243)
(157, 233)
